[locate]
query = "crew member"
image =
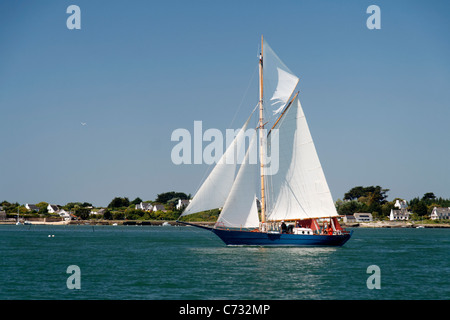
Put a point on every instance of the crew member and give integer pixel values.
(283, 227)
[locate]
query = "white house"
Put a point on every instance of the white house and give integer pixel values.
(31, 207)
(349, 218)
(399, 214)
(64, 214)
(440, 213)
(144, 206)
(363, 217)
(52, 208)
(182, 204)
(95, 212)
(159, 207)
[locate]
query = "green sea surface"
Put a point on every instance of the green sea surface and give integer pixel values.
(178, 263)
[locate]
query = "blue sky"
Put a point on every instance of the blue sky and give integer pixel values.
(377, 101)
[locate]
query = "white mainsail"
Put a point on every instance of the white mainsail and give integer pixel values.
(279, 81)
(299, 189)
(240, 209)
(217, 186)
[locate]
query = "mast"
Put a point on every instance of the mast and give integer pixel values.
(261, 133)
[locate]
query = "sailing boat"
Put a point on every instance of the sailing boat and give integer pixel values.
(296, 207)
(18, 223)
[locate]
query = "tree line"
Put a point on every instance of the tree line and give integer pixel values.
(373, 199)
(120, 208)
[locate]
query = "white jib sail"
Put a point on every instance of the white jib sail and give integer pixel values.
(215, 189)
(279, 81)
(240, 209)
(299, 189)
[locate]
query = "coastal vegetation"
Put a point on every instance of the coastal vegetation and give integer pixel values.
(373, 199)
(370, 199)
(120, 208)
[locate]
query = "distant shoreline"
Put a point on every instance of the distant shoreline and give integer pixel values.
(372, 224)
(53, 222)
(395, 224)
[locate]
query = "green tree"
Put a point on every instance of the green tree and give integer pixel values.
(71, 205)
(371, 194)
(386, 209)
(82, 212)
(364, 199)
(42, 207)
(420, 208)
(166, 196)
(118, 215)
(428, 196)
(136, 201)
(133, 214)
(118, 202)
(355, 193)
(107, 215)
(350, 207)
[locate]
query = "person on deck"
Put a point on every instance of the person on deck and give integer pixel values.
(283, 227)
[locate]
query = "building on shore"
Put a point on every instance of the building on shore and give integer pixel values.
(144, 206)
(31, 207)
(440, 213)
(349, 218)
(159, 207)
(63, 214)
(357, 217)
(52, 208)
(399, 214)
(363, 217)
(182, 204)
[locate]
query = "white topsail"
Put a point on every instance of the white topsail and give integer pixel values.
(279, 81)
(299, 189)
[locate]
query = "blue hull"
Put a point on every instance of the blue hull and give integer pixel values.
(247, 238)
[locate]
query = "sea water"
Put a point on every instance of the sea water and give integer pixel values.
(177, 263)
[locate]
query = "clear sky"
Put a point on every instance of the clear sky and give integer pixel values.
(377, 101)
